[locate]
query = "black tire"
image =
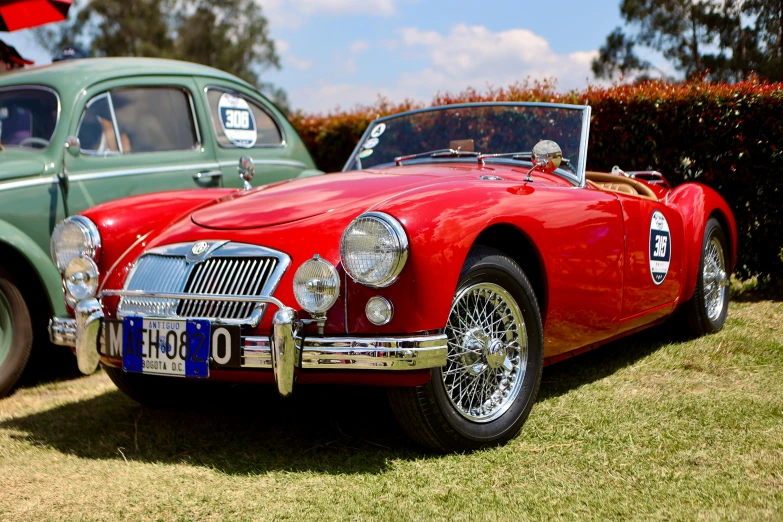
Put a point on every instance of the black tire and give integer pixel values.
(161, 393)
(16, 333)
(430, 416)
(697, 310)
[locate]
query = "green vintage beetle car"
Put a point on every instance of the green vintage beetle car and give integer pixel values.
(81, 132)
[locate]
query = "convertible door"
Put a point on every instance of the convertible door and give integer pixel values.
(653, 260)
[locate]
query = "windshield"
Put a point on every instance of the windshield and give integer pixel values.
(28, 117)
(485, 128)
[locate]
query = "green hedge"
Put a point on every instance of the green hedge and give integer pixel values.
(729, 137)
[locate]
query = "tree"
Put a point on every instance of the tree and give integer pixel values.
(232, 35)
(719, 39)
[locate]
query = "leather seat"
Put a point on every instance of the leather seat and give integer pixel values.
(621, 184)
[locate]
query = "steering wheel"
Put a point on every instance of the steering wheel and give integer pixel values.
(32, 140)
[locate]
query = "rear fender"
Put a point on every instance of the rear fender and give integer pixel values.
(696, 203)
(39, 260)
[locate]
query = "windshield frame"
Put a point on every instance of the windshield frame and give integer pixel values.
(56, 123)
(581, 166)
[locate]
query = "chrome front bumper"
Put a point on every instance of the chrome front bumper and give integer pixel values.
(281, 352)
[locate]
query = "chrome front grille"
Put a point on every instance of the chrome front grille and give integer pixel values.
(226, 276)
(158, 273)
(225, 269)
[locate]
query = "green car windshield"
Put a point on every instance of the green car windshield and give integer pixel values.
(28, 117)
(488, 128)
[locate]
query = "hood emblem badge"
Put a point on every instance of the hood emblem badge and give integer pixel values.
(199, 248)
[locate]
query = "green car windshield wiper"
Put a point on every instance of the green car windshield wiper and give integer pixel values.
(441, 153)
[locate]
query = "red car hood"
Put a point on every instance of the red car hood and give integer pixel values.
(299, 199)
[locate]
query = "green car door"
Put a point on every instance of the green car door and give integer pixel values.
(138, 136)
(242, 122)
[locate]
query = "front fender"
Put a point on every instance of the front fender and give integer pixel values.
(696, 203)
(129, 221)
(39, 260)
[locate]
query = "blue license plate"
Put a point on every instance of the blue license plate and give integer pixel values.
(166, 347)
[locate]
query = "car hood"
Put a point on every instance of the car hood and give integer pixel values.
(299, 199)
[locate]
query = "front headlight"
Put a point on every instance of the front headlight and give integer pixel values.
(316, 285)
(75, 236)
(374, 249)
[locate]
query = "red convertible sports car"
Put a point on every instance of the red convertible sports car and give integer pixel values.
(462, 249)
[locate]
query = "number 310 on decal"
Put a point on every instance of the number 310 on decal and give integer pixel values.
(660, 246)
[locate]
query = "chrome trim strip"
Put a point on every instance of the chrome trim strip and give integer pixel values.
(263, 299)
(581, 168)
(28, 183)
(172, 168)
(117, 135)
(41, 88)
(283, 162)
(147, 170)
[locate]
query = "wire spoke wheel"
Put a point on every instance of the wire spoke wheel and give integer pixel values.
(488, 351)
(714, 278)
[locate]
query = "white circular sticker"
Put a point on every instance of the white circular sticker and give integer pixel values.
(371, 143)
(237, 120)
(378, 130)
(660, 247)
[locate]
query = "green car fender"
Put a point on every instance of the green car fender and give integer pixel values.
(38, 260)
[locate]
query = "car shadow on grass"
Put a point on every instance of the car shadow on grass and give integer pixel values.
(248, 429)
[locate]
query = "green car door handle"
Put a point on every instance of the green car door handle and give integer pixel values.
(208, 178)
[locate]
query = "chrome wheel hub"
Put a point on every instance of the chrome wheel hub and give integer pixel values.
(487, 352)
(714, 279)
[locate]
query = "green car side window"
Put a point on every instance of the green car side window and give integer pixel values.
(240, 122)
(138, 119)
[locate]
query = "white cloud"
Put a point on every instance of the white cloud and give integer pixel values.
(474, 56)
(359, 47)
(283, 48)
(465, 56)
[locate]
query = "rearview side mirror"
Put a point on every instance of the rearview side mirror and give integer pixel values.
(247, 170)
(73, 146)
(547, 155)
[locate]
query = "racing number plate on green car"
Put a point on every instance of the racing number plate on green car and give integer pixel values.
(176, 347)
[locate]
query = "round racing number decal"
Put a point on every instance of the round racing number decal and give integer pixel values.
(237, 120)
(660, 247)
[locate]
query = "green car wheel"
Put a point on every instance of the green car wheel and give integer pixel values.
(16, 333)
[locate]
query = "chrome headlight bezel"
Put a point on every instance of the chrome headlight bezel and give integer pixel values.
(330, 272)
(90, 247)
(395, 230)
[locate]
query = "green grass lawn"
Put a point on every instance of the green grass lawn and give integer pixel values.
(649, 427)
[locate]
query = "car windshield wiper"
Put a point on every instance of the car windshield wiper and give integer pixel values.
(526, 156)
(441, 153)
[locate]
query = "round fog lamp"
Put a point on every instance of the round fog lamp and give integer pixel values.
(379, 310)
(81, 278)
(316, 285)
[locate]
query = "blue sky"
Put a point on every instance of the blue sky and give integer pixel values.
(344, 52)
